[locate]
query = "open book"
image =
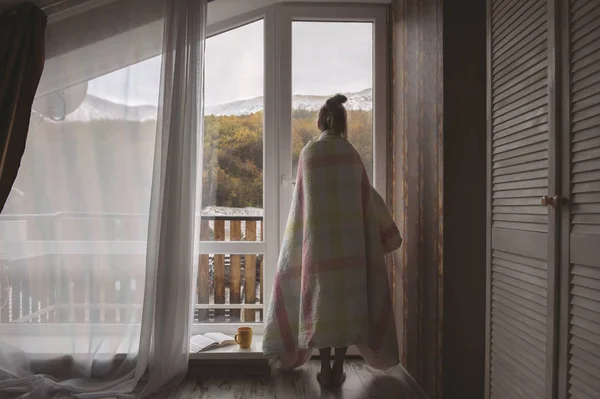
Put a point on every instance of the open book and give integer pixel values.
(209, 341)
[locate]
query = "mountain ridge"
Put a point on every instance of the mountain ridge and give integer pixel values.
(96, 108)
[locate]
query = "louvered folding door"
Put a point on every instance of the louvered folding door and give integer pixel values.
(580, 295)
(519, 138)
(543, 316)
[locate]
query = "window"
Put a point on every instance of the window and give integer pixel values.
(330, 58)
(76, 221)
(230, 268)
(326, 50)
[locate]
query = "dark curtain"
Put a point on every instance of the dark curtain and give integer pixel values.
(22, 56)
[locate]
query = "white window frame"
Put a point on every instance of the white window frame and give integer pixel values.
(377, 14)
(268, 247)
(277, 147)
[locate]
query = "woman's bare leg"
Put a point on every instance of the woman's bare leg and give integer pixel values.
(337, 373)
(324, 376)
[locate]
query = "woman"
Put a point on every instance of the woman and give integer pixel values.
(332, 288)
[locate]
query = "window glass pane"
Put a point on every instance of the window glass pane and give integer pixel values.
(330, 58)
(234, 283)
(232, 181)
(232, 176)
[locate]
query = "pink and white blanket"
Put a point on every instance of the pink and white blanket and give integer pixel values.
(332, 286)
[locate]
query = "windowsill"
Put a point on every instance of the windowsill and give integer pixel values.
(233, 352)
(107, 345)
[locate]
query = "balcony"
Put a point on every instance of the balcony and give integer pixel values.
(60, 270)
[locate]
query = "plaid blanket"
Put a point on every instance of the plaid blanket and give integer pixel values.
(332, 286)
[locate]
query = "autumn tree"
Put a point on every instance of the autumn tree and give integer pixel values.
(233, 153)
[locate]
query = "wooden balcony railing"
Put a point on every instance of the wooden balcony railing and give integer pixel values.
(80, 268)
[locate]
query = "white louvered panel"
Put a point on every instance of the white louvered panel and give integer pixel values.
(518, 317)
(584, 299)
(519, 115)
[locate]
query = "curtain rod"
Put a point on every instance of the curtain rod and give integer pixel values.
(61, 9)
(43, 4)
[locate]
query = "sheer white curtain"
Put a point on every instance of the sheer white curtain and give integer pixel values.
(96, 239)
(168, 301)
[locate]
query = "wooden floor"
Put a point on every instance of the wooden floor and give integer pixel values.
(362, 382)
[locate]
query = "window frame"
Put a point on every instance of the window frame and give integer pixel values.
(277, 148)
(270, 203)
(377, 14)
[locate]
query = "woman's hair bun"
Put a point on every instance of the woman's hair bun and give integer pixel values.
(337, 100)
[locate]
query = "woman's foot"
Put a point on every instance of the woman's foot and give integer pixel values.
(324, 379)
(337, 372)
(337, 376)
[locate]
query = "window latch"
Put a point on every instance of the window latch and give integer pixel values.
(286, 181)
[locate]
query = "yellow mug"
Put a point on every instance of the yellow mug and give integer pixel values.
(244, 337)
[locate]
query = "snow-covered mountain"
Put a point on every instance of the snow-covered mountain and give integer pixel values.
(362, 100)
(95, 108)
(243, 107)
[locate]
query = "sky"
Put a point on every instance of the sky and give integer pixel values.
(327, 58)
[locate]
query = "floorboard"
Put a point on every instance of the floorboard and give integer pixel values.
(362, 382)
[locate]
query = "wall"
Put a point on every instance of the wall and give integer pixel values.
(418, 194)
(464, 200)
(439, 191)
